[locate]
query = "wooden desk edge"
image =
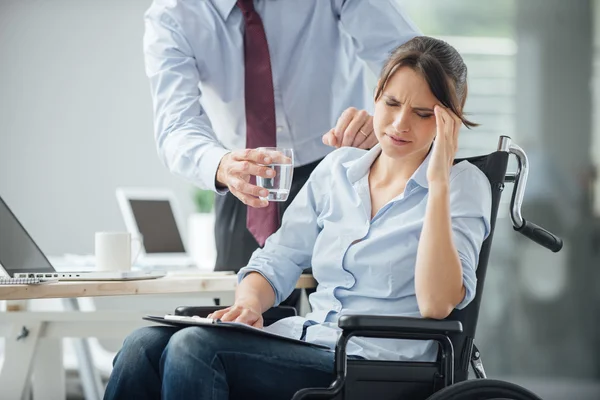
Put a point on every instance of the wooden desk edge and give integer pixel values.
(185, 284)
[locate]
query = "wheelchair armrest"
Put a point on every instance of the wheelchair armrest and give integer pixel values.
(392, 324)
(388, 326)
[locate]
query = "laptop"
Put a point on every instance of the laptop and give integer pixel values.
(20, 256)
(153, 216)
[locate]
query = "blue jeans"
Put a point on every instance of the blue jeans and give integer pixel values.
(218, 364)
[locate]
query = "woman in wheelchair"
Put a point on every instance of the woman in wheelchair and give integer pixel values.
(395, 230)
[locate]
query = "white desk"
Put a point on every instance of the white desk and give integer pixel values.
(40, 350)
(189, 283)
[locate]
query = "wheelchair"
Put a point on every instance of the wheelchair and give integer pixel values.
(447, 377)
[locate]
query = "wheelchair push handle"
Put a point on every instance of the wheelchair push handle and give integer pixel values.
(534, 232)
(540, 235)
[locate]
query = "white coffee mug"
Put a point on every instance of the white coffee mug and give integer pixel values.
(113, 251)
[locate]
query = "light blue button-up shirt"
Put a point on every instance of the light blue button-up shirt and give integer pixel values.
(322, 52)
(364, 265)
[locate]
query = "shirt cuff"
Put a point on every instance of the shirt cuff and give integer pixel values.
(208, 166)
(470, 284)
(242, 273)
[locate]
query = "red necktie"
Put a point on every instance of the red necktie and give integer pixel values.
(260, 111)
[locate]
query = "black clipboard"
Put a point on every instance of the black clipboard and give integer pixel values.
(184, 322)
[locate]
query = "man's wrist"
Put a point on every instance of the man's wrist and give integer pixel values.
(220, 176)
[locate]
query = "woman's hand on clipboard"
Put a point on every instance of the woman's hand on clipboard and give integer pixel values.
(242, 311)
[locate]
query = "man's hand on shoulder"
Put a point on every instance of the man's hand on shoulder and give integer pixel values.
(354, 128)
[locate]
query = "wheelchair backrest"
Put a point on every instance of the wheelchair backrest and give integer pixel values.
(494, 167)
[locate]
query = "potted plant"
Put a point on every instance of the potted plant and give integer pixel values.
(201, 228)
(204, 200)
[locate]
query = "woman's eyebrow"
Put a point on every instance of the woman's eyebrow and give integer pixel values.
(393, 99)
(390, 97)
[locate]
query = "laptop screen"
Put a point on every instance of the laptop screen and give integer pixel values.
(18, 251)
(156, 222)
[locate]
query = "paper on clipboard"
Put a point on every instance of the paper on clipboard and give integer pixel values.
(184, 321)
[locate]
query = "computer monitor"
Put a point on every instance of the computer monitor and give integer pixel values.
(153, 215)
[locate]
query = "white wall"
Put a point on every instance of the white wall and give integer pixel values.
(75, 117)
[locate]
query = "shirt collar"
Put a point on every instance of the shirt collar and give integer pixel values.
(420, 175)
(359, 167)
(224, 7)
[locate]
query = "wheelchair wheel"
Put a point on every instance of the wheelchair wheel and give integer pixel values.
(484, 389)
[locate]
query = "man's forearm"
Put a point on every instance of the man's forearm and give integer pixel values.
(256, 291)
(438, 273)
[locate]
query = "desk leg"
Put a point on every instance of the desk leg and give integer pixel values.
(304, 305)
(19, 351)
(89, 375)
(48, 371)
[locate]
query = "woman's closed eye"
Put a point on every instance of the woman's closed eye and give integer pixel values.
(419, 111)
(424, 115)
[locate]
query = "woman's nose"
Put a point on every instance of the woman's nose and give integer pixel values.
(400, 123)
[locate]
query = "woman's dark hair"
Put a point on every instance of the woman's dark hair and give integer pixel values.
(441, 66)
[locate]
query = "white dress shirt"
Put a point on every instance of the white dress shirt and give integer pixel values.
(321, 54)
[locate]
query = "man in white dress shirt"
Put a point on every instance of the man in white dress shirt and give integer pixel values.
(231, 75)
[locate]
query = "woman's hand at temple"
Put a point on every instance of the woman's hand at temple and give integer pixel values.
(242, 311)
(438, 273)
(354, 128)
(444, 145)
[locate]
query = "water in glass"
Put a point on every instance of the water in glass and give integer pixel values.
(279, 185)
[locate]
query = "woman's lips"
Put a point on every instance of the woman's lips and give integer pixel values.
(397, 141)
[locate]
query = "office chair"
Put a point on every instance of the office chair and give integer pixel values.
(446, 378)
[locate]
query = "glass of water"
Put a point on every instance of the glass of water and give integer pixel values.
(282, 161)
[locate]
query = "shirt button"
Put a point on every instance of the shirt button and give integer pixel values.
(279, 128)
